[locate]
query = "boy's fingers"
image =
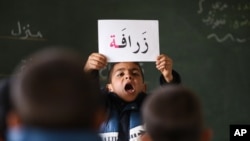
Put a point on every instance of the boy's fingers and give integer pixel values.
(158, 57)
(100, 63)
(162, 56)
(165, 59)
(97, 64)
(161, 68)
(164, 65)
(97, 57)
(96, 61)
(164, 62)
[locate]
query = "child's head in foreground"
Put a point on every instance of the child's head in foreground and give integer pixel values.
(173, 113)
(53, 92)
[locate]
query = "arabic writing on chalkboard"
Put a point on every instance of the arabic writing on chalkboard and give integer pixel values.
(27, 33)
(227, 21)
(23, 32)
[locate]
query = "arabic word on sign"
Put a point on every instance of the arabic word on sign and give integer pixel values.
(128, 40)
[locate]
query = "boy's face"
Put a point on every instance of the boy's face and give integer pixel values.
(126, 81)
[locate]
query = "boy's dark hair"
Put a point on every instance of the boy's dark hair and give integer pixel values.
(53, 91)
(173, 113)
(112, 68)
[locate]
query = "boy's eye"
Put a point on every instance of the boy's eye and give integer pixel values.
(120, 74)
(135, 73)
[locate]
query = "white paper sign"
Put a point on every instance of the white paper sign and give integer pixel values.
(128, 40)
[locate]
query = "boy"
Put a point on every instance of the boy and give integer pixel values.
(54, 100)
(125, 94)
(173, 113)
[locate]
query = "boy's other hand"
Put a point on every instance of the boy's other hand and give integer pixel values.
(164, 64)
(96, 61)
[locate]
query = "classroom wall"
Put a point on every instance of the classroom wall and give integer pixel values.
(209, 42)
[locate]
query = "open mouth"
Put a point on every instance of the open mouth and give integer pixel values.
(129, 88)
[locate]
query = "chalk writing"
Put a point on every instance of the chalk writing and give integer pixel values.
(211, 19)
(200, 7)
(226, 37)
(227, 21)
(24, 32)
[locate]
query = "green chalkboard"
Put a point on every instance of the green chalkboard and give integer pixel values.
(209, 41)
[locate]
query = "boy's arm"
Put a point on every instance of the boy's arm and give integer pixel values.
(165, 65)
(95, 62)
(176, 78)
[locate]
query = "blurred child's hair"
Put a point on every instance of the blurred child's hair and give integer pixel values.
(173, 113)
(53, 91)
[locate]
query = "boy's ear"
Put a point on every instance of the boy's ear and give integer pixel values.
(207, 135)
(109, 87)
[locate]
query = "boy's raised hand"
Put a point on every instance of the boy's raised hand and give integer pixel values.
(164, 64)
(96, 61)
